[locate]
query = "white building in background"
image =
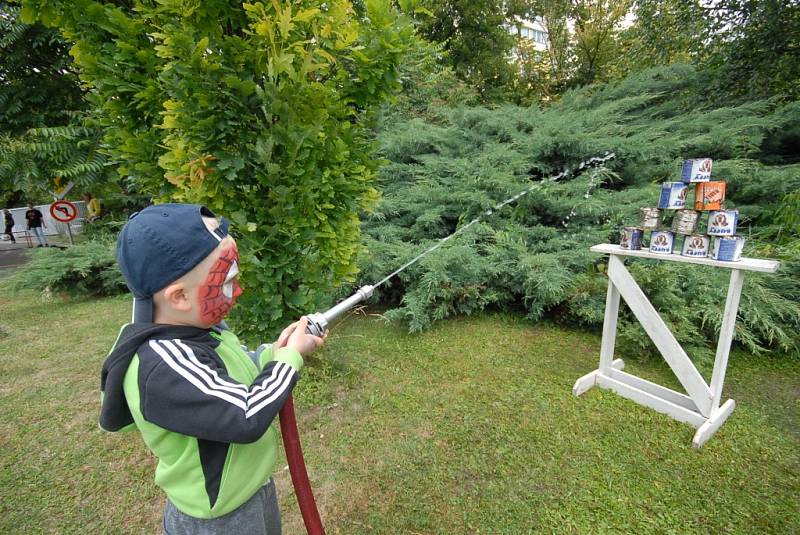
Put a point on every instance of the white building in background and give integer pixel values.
(532, 30)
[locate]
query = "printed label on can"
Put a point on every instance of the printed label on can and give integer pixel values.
(709, 195)
(696, 170)
(631, 238)
(696, 246)
(673, 195)
(661, 242)
(723, 222)
(727, 248)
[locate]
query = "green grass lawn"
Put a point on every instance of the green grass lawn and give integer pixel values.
(468, 428)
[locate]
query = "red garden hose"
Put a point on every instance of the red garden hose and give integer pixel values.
(297, 468)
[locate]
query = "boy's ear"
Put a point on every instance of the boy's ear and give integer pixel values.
(175, 297)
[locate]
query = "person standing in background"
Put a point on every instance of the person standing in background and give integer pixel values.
(9, 220)
(93, 209)
(35, 220)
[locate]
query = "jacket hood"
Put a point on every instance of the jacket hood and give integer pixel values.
(114, 412)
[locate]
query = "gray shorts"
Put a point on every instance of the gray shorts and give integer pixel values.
(257, 516)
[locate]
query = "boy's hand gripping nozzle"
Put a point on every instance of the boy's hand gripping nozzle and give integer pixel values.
(318, 321)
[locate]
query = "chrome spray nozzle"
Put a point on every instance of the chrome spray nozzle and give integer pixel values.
(318, 321)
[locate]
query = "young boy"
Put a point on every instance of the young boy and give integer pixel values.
(204, 407)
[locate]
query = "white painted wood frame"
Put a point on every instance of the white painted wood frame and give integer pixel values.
(701, 407)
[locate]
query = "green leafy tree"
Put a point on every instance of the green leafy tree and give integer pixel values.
(475, 36)
(37, 84)
(261, 111)
(546, 74)
(535, 82)
(596, 38)
(755, 47)
(747, 49)
(43, 159)
(663, 32)
(39, 97)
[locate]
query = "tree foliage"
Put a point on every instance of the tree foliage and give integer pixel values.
(261, 111)
(755, 47)
(476, 40)
(41, 158)
(41, 136)
(597, 45)
(664, 32)
(747, 49)
(37, 85)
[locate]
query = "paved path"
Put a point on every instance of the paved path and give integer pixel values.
(12, 255)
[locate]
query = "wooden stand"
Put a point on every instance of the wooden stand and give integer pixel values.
(701, 407)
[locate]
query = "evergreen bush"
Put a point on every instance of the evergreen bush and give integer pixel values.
(85, 269)
(445, 170)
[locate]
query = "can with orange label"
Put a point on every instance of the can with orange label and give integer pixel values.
(709, 195)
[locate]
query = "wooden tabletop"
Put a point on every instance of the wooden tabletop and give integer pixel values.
(746, 264)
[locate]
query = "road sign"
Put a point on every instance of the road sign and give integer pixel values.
(61, 191)
(63, 211)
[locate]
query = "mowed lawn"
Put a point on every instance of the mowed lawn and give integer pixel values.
(468, 428)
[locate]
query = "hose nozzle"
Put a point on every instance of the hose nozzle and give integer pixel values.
(318, 321)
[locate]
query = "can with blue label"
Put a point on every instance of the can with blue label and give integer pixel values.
(696, 170)
(722, 222)
(661, 241)
(727, 248)
(673, 195)
(695, 246)
(631, 238)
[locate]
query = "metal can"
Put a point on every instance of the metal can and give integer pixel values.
(631, 238)
(709, 195)
(727, 248)
(684, 221)
(696, 170)
(673, 195)
(723, 222)
(650, 218)
(695, 245)
(661, 241)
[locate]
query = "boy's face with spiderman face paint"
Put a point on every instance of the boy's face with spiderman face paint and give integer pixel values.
(220, 289)
(205, 295)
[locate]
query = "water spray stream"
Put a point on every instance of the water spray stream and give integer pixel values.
(319, 321)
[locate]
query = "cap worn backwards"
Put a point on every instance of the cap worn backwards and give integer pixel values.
(160, 244)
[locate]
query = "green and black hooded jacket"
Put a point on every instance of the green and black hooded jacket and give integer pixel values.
(203, 407)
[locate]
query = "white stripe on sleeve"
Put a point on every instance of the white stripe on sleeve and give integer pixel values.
(186, 374)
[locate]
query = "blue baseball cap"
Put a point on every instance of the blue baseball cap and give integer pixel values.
(163, 242)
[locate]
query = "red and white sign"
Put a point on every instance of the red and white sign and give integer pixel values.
(63, 211)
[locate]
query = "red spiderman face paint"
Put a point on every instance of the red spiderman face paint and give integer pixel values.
(218, 293)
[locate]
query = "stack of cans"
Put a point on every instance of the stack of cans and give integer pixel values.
(719, 241)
